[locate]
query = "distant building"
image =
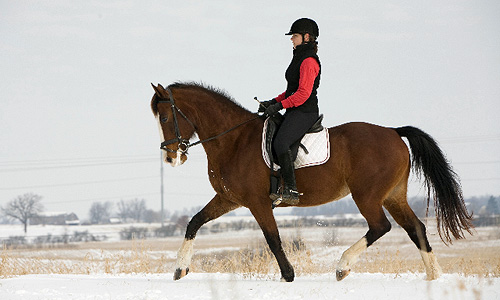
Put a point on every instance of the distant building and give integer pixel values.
(55, 218)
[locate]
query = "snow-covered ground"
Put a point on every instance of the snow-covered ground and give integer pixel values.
(360, 284)
(232, 287)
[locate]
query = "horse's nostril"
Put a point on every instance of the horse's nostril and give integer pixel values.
(169, 160)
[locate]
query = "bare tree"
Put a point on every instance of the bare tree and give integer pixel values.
(134, 209)
(138, 209)
(23, 208)
(123, 210)
(151, 216)
(100, 212)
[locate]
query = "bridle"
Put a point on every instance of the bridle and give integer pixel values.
(184, 144)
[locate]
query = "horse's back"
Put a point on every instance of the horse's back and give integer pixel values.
(369, 151)
(367, 137)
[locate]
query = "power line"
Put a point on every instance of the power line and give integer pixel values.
(49, 164)
(477, 162)
(129, 196)
(76, 183)
(482, 179)
(471, 139)
(76, 159)
(102, 198)
(77, 165)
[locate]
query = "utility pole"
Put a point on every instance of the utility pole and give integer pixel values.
(161, 188)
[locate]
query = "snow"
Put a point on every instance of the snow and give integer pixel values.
(151, 286)
(229, 286)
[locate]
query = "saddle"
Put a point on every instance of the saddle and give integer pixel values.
(310, 150)
(273, 124)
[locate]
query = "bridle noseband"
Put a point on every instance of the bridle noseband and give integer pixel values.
(184, 144)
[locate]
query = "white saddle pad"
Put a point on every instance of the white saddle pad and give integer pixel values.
(317, 144)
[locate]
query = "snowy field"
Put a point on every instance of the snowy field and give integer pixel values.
(232, 287)
(390, 269)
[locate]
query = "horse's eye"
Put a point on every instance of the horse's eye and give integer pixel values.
(164, 119)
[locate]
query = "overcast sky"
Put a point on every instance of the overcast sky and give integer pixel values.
(75, 122)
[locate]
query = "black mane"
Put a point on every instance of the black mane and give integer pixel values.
(218, 92)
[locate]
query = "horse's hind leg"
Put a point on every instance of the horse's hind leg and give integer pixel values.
(214, 209)
(378, 225)
(402, 213)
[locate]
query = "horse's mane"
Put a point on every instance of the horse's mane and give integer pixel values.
(217, 92)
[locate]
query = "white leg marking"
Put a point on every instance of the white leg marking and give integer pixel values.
(432, 267)
(350, 256)
(185, 254)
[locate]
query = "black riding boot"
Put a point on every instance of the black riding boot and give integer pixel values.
(290, 194)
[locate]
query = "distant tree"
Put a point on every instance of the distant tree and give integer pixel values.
(340, 207)
(133, 209)
(151, 216)
(23, 208)
(138, 209)
(123, 210)
(182, 222)
(492, 206)
(100, 212)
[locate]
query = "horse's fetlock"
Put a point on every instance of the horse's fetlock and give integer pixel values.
(288, 278)
(179, 273)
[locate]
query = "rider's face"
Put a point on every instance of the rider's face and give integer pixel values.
(297, 39)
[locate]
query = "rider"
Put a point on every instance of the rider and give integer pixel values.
(300, 101)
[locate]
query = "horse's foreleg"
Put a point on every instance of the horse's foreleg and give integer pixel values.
(214, 209)
(267, 223)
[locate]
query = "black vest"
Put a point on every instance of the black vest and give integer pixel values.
(292, 76)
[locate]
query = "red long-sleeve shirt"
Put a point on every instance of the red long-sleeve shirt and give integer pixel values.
(309, 70)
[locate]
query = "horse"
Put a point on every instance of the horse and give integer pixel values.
(370, 162)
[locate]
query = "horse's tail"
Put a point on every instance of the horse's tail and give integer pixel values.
(441, 181)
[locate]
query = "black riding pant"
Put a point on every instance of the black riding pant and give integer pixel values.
(294, 126)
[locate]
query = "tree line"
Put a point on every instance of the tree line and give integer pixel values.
(24, 207)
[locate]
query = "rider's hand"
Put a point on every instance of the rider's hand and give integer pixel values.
(265, 104)
(271, 110)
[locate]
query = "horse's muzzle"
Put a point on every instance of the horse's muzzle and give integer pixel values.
(178, 160)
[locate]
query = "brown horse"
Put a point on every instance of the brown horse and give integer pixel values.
(368, 161)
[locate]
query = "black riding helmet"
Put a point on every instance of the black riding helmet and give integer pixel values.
(304, 26)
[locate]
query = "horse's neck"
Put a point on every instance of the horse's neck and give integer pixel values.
(216, 116)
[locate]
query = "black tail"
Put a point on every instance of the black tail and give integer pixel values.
(441, 181)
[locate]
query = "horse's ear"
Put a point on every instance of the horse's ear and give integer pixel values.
(159, 90)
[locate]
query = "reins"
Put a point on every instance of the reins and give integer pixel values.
(223, 133)
(184, 144)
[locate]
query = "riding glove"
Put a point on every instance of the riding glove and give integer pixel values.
(272, 109)
(265, 104)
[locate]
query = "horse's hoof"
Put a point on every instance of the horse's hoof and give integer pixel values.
(433, 275)
(342, 274)
(179, 273)
(290, 279)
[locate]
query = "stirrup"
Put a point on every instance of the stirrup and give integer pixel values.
(278, 199)
(291, 198)
(274, 196)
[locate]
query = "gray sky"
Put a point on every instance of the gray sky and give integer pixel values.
(75, 122)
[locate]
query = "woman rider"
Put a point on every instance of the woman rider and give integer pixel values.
(300, 101)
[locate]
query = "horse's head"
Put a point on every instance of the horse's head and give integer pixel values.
(175, 127)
